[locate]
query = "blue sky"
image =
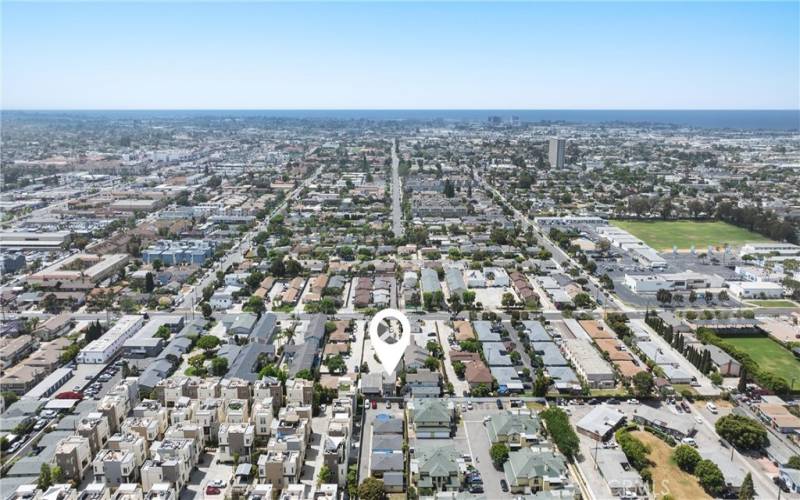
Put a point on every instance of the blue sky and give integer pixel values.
(252, 55)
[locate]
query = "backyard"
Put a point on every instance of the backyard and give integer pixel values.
(668, 478)
(662, 235)
(769, 355)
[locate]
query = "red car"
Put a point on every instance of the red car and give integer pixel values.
(212, 490)
(374, 404)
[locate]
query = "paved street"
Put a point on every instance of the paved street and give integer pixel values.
(397, 196)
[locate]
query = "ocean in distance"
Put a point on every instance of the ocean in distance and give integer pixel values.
(784, 120)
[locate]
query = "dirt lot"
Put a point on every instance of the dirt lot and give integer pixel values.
(667, 477)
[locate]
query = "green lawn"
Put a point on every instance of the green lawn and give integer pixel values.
(662, 235)
(772, 303)
(769, 355)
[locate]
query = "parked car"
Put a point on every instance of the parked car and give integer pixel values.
(499, 404)
(504, 485)
(374, 404)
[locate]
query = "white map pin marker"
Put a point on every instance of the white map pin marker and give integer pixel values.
(390, 354)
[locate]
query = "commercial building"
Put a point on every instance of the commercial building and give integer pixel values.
(601, 422)
(100, 351)
(21, 240)
(652, 283)
(756, 290)
(79, 272)
(762, 248)
(678, 426)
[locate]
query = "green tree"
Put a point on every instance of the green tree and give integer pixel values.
(157, 265)
(219, 366)
(255, 304)
(162, 332)
(470, 346)
(499, 454)
(635, 450)
(325, 475)
(336, 364)
(455, 303)
(459, 368)
(208, 343)
(371, 489)
(643, 384)
(305, 374)
(45, 478)
(50, 304)
(149, 283)
(747, 491)
(582, 300)
(558, 426)
(469, 299)
(710, 477)
(743, 432)
(541, 384)
(57, 474)
(205, 308)
(481, 391)
(794, 462)
(9, 398)
(431, 363)
(686, 457)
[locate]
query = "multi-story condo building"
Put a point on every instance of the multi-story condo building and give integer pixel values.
(235, 388)
(172, 461)
(263, 413)
(94, 427)
(115, 467)
(237, 411)
(235, 440)
(73, 456)
(155, 411)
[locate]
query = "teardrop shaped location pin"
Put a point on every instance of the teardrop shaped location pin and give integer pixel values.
(390, 354)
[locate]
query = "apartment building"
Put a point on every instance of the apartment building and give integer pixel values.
(15, 349)
(588, 363)
(73, 456)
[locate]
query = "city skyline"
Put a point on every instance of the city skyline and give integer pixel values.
(401, 56)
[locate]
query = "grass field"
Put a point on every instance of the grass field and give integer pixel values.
(662, 235)
(668, 478)
(769, 355)
(772, 303)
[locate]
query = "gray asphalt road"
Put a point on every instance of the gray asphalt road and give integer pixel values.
(397, 210)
